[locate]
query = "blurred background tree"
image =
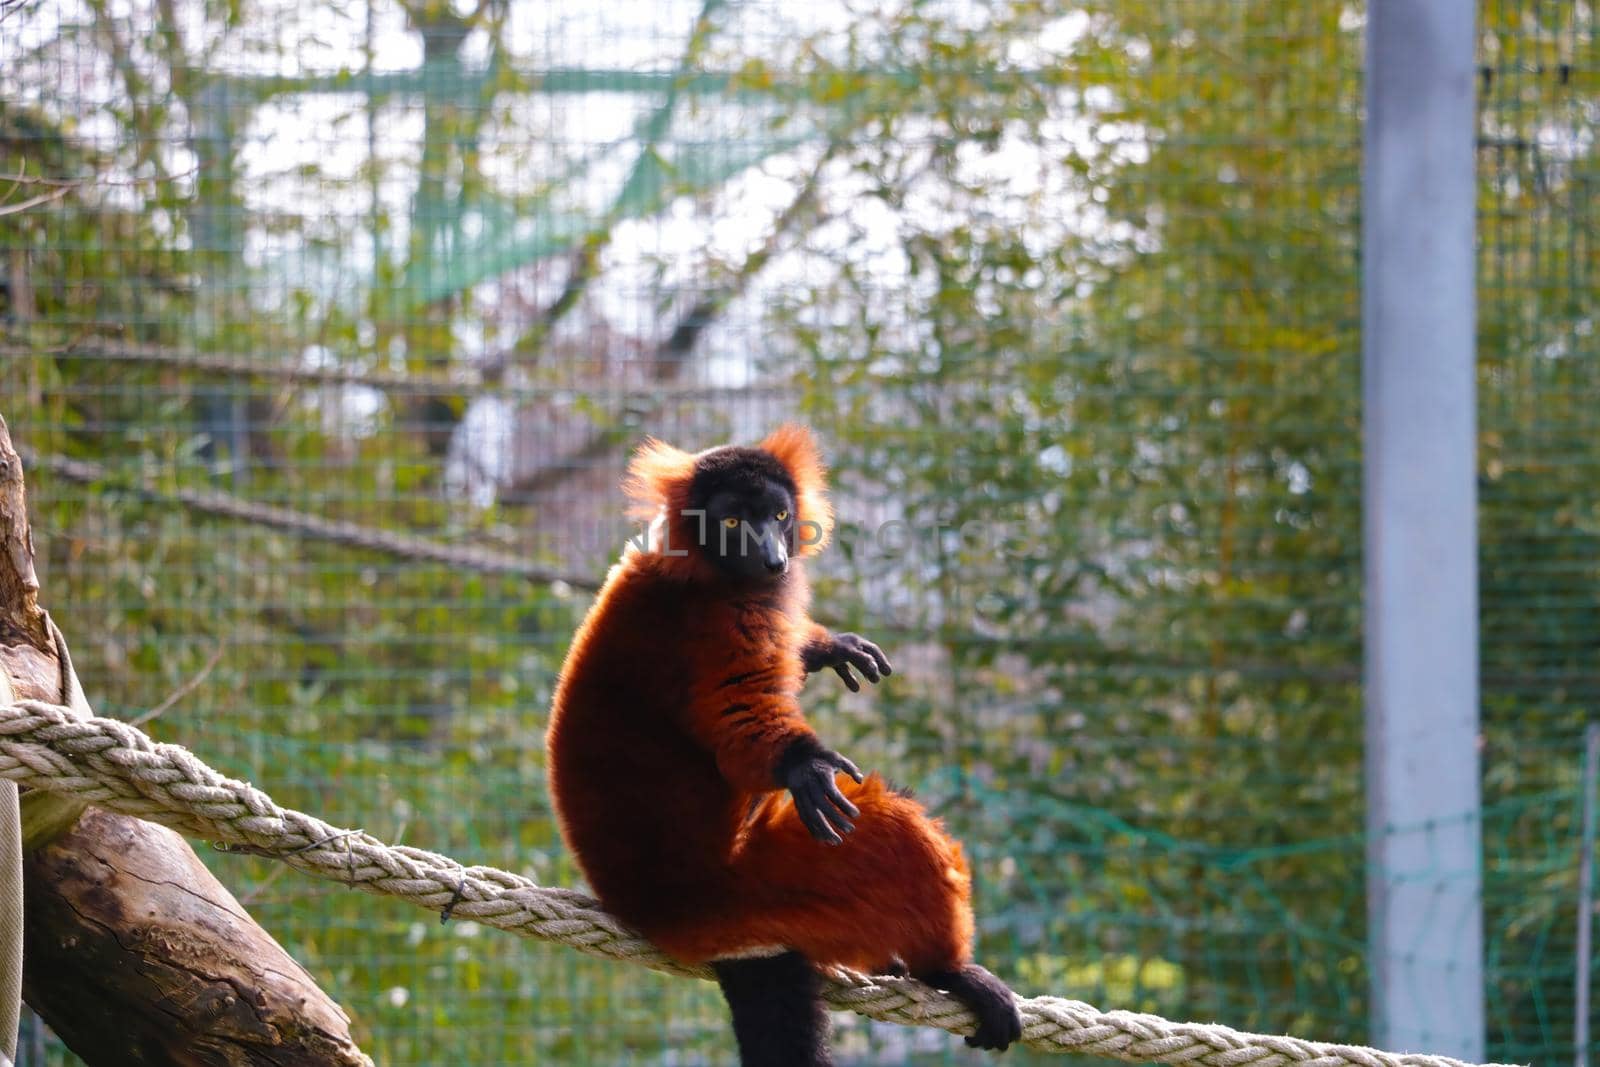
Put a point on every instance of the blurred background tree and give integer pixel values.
(1072, 293)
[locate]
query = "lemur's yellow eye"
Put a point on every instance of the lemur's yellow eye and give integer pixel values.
(780, 516)
(731, 523)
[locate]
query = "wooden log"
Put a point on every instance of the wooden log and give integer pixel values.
(134, 952)
(22, 624)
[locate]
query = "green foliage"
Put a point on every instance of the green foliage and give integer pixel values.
(1161, 395)
(1072, 295)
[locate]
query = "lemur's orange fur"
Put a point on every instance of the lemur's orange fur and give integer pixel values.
(679, 693)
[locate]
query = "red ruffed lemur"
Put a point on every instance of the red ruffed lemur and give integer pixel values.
(701, 806)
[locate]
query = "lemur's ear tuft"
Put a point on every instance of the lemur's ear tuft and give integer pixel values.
(793, 446)
(658, 477)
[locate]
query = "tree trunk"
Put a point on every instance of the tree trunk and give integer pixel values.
(134, 953)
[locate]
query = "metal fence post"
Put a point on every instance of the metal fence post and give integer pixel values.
(1424, 882)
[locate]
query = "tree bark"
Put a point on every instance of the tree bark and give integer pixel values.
(133, 952)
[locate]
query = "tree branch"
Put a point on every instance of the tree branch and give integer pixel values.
(673, 353)
(284, 369)
(318, 527)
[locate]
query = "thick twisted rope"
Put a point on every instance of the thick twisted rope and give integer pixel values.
(117, 767)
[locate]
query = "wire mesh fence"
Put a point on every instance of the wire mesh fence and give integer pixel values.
(311, 314)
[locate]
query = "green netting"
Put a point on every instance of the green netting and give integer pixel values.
(1071, 294)
(1539, 410)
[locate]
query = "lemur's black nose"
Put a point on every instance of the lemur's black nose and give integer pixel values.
(774, 555)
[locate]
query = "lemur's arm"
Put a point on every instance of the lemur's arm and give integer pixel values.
(841, 652)
(751, 723)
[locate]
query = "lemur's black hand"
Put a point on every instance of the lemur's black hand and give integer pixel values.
(844, 651)
(807, 771)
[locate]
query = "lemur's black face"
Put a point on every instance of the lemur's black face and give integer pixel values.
(745, 504)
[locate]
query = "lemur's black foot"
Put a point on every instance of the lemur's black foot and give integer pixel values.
(999, 1021)
(778, 1017)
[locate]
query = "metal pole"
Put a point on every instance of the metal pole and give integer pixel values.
(1580, 999)
(1424, 852)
